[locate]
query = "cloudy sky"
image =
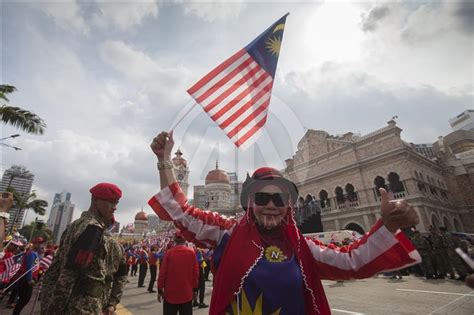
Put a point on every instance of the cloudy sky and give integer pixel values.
(108, 76)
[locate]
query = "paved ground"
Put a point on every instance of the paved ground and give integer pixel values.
(370, 296)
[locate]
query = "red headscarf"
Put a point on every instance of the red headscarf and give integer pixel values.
(244, 249)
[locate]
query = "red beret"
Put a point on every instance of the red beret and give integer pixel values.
(106, 191)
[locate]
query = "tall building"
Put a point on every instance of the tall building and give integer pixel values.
(463, 121)
(20, 179)
(153, 222)
(61, 214)
(181, 170)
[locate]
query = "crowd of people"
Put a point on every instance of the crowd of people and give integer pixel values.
(260, 262)
(22, 264)
(149, 255)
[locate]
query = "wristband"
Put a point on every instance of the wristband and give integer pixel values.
(164, 165)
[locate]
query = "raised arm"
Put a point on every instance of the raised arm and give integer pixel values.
(384, 248)
(205, 228)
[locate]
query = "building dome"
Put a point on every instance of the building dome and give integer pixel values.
(141, 216)
(178, 159)
(217, 176)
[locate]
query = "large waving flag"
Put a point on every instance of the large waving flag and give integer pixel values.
(236, 94)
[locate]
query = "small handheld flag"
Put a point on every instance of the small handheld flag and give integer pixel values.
(236, 94)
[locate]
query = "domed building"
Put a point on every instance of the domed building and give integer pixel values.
(141, 222)
(217, 189)
(181, 171)
(220, 192)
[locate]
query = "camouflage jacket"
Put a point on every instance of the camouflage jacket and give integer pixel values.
(438, 242)
(421, 243)
(88, 272)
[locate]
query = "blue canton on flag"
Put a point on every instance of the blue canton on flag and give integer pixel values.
(236, 94)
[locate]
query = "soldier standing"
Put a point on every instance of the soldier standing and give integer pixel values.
(424, 248)
(88, 272)
(454, 259)
(440, 254)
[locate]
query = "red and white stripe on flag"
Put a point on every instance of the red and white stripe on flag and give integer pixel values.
(236, 95)
(45, 262)
(11, 268)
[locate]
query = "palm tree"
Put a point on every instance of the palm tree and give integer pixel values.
(18, 117)
(26, 202)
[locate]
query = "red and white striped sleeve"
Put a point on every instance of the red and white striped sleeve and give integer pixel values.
(205, 228)
(379, 250)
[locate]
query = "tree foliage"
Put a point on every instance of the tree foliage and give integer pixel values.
(18, 117)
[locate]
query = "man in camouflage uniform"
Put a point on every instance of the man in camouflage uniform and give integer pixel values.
(88, 272)
(456, 262)
(440, 254)
(424, 248)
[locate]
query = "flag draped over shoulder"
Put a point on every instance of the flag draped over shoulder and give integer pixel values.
(236, 94)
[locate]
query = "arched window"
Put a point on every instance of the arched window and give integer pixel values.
(395, 184)
(350, 193)
(457, 226)
(379, 182)
(416, 174)
(324, 199)
(339, 194)
(447, 224)
(422, 177)
(355, 227)
(435, 221)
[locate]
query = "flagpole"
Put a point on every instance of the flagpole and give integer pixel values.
(182, 117)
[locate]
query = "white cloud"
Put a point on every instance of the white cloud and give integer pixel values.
(65, 13)
(211, 11)
(124, 15)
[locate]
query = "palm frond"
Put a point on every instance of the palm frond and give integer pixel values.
(6, 89)
(22, 119)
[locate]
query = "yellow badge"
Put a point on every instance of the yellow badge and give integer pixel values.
(274, 254)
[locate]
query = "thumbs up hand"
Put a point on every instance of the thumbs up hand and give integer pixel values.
(396, 214)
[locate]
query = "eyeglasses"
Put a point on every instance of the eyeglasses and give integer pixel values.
(279, 199)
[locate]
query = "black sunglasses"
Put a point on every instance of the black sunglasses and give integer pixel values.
(279, 199)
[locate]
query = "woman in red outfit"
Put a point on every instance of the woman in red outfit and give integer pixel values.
(262, 263)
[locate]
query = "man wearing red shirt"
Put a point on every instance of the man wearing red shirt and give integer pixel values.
(178, 279)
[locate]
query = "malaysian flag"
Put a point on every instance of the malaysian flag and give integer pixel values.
(12, 265)
(236, 94)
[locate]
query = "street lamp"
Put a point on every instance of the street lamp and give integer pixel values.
(7, 145)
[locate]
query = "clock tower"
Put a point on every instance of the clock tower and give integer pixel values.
(181, 171)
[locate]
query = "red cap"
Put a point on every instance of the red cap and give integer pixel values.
(106, 191)
(37, 240)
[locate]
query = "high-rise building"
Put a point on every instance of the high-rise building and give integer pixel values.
(153, 222)
(463, 121)
(20, 179)
(61, 214)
